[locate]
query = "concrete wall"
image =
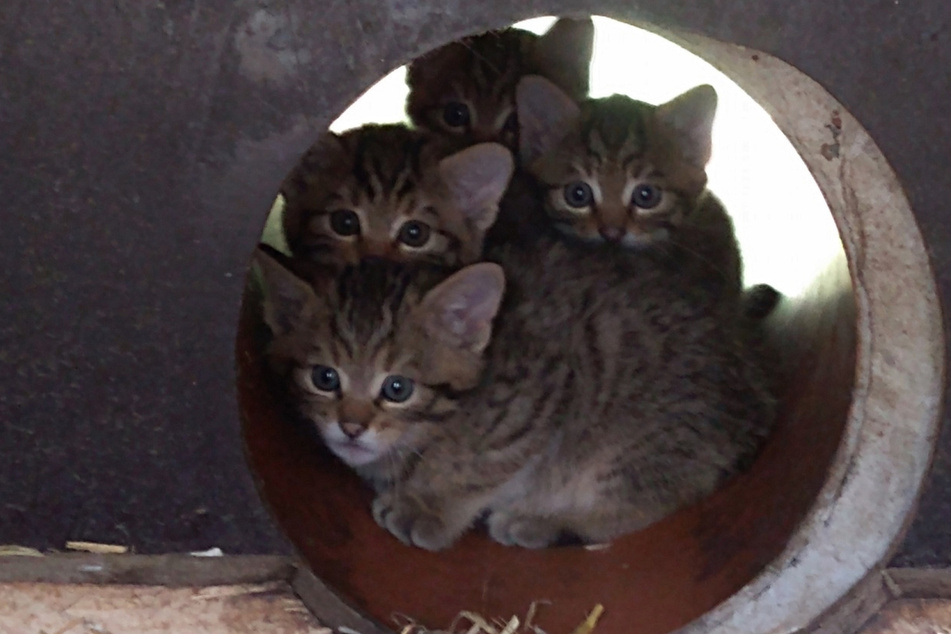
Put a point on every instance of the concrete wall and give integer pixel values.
(140, 147)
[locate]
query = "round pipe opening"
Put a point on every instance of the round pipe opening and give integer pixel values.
(861, 348)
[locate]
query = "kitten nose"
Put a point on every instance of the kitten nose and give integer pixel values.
(352, 430)
(611, 234)
(376, 249)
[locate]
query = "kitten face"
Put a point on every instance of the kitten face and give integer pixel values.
(375, 353)
(363, 399)
(466, 89)
(387, 191)
(616, 169)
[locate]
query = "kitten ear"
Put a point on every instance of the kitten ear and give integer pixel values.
(477, 178)
(690, 118)
(425, 71)
(459, 310)
(324, 160)
(288, 299)
(545, 115)
(563, 55)
(326, 154)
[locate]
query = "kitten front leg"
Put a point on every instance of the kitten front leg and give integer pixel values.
(416, 523)
(511, 528)
(411, 522)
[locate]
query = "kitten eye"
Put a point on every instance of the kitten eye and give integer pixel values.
(646, 196)
(325, 378)
(414, 233)
(578, 194)
(456, 115)
(396, 388)
(345, 222)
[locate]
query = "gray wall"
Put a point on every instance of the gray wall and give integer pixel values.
(140, 145)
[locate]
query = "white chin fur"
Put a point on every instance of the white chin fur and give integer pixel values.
(631, 241)
(356, 453)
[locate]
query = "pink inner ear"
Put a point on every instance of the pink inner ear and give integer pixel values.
(476, 307)
(462, 307)
(460, 322)
(690, 116)
(478, 177)
(545, 113)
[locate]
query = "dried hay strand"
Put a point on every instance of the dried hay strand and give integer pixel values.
(477, 624)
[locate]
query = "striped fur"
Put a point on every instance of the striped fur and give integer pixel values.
(610, 394)
(480, 73)
(386, 178)
(617, 151)
(366, 323)
(613, 395)
(613, 391)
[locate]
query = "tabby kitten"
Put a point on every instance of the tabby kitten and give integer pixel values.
(377, 354)
(595, 415)
(466, 89)
(625, 172)
(389, 191)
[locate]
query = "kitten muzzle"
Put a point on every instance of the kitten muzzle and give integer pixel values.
(352, 430)
(612, 234)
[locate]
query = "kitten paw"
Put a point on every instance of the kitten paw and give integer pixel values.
(410, 522)
(522, 530)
